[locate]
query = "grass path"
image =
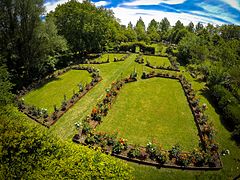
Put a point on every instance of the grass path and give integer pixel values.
(110, 72)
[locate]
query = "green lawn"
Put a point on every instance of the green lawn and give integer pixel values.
(53, 92)
(65, 129)
(154, 109)
(156, 60)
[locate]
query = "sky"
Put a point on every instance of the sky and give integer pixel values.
(204, 11)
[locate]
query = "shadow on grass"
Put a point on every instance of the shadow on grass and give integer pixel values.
(46, 82)
(206, 93)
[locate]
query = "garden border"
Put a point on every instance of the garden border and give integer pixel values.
(47, 120)
(208, 144)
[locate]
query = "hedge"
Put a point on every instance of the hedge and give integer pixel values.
(28, 152)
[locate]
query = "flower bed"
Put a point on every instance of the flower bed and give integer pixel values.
(206, 157)
(41, 116)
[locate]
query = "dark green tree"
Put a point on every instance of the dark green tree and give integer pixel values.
(152, 31)
(18, 37)
(140, 29)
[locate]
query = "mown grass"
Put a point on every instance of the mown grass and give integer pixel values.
(154, 109)
(65, 128)
(157, 61)
(231, 163)
(53, 92)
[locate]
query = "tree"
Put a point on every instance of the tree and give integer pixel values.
(18, 37)
(86, 27)
(140, 30)
(51, 45)
(199, 27)
(178, 25)
(152, 31)
(190, 27)
(164, 27)
(5, 86)
(130, 33)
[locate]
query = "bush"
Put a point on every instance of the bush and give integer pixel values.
(134, 152)
(28, 152)
(175, 151)
(232, 114)
(236, 133)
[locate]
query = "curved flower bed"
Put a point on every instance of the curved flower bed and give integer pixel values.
(206, 157)
(41, 116)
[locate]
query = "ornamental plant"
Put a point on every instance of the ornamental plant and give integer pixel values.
(175, 151)
(134, 152)
(198, 157)
(183, 159)
(111, 138)
(161, 156)
(119, 146)
(151, 149)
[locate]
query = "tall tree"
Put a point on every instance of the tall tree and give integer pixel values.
(140, 30)
(18, 38)
(164, 25)
(190, 27)
(86, 27)
(152, 31)
(130, 33)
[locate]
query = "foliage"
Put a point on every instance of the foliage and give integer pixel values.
(28, 152)
(28, 44)
(86, 27)
(134, 152)
(5, 87)
(119, 146)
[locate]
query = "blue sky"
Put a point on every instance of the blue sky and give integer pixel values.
(205, 11)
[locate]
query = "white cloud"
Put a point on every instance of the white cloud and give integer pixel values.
(152, 2)
(217, 11)
(101, 3)
(50, 6)
(130, 14)
(233, 3)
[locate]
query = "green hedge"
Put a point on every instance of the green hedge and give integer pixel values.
(131, 47)
(228, 104)
(27, 152)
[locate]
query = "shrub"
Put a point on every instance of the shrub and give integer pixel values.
(198, 157)
(183, 159)
(111, 139)
(236, 133)
(151, 150)
(134, 152)
(161, 156)
(232, 114)
(86, 128)
(90, 140)
(175, 151)
(119, 146)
